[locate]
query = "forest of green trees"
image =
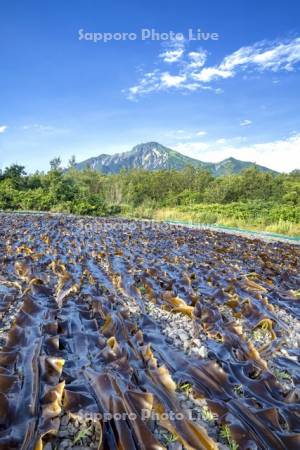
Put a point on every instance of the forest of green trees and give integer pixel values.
(251, 198)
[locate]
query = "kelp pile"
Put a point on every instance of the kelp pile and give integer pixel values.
(82, 341)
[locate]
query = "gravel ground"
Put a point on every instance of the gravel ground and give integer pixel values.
(76, 433)
(8, 295)
(97, 275)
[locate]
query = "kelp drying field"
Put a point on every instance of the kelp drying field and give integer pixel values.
(133, 335)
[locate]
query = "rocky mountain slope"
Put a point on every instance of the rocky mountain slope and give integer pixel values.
(154, 156)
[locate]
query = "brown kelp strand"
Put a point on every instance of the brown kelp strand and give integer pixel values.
(124, 330)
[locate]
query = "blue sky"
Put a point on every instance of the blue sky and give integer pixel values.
(237, 95)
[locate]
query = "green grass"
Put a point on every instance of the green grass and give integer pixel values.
(81, 434)
(282, 375)
(168, 439)
(186, 387)
(238, 389)
(253, 216)
(142, 290)
(225, 433)
(208, 415)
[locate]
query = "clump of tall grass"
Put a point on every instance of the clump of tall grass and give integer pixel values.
(284, 227)
(237, 217)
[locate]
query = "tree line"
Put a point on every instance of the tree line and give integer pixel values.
(93, 193)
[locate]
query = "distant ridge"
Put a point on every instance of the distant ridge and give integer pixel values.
(154, 156)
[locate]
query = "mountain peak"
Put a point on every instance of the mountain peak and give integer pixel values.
(230, 159)
(146, 145)
(154, 156)
(150, 147)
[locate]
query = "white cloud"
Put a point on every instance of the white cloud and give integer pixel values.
(197, 59)
(171, 56)
(193, 149)
(281, 56)
(261, 56)
(245, 123)
(221, 141)
(231, 140)
(174, 50)
(155, 81)
(211, 73)
(172, 80)
(191, 74)
(148, 83)
(177, 135)
(282, 155)
(3, 128)
(184, 135)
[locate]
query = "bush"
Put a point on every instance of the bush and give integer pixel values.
(36, 199)
(250, 198)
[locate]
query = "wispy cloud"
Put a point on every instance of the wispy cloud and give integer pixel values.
(281, 155)
(210, 73)
(196, 59)
(221, 141)
(189, 72)
(173, 52)
(274, 56)
(39, 127)
(245, 123)
(3, 128)
(162, 79)
(44, 129)
(171, 56)
(184, 134)
(168, 80)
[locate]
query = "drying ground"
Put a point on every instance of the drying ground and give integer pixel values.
(133, 335)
